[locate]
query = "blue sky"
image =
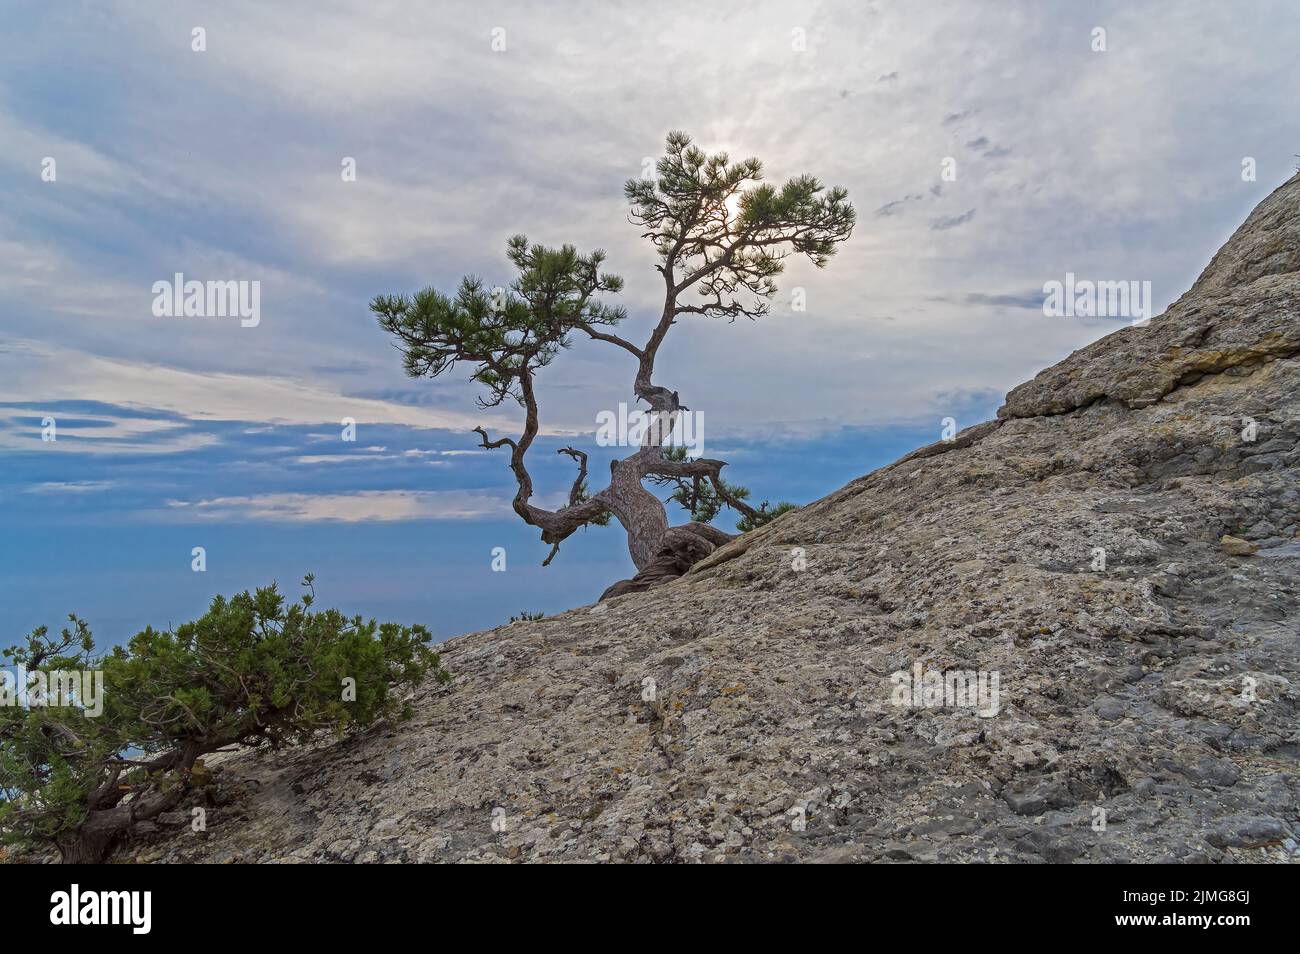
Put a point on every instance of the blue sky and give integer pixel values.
(224, 164)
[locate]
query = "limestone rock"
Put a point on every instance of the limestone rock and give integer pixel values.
(1146, 707)
(1235, 546)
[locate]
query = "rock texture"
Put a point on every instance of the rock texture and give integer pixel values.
(746, 712)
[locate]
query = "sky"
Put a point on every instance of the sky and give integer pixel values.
(988, 149)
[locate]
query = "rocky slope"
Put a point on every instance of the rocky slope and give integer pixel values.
(1147, 711)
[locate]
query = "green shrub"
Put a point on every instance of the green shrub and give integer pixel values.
(252, 671)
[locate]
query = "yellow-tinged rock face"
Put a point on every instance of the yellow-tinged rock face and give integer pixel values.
(1235, 546)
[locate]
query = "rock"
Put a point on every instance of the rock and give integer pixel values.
(1144, 785)
(1246, 831)
(1111, 708)
(1235, 546)
(1038, 798)
(1207, 771)
(948, 679)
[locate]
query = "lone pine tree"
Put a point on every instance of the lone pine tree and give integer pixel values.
(721, 235)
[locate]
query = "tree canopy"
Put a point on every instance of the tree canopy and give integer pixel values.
(721, 237)
(254, 670)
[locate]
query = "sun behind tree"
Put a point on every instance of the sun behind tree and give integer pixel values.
(721, 233)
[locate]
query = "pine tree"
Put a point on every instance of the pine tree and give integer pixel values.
(718, 232)
(252, 671)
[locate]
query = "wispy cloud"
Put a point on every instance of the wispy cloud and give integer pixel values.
(892, 208)
(71, 486)
(367, 506)
(40, 369)
(945, 222)
(23, 427)
(1030, 299)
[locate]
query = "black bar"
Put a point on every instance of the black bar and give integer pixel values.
(336, 903)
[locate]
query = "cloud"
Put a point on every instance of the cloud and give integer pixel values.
(984, 145)
(1029, 299)
(35, 270)
(72, 486)
(943, 223)
(95, 433)
(367, 506)
(78, 167)
(39, 371)
(362, 459)
(892, 208)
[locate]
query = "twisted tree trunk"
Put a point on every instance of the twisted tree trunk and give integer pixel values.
(659, 552)
(716, 229)
(115, 809)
